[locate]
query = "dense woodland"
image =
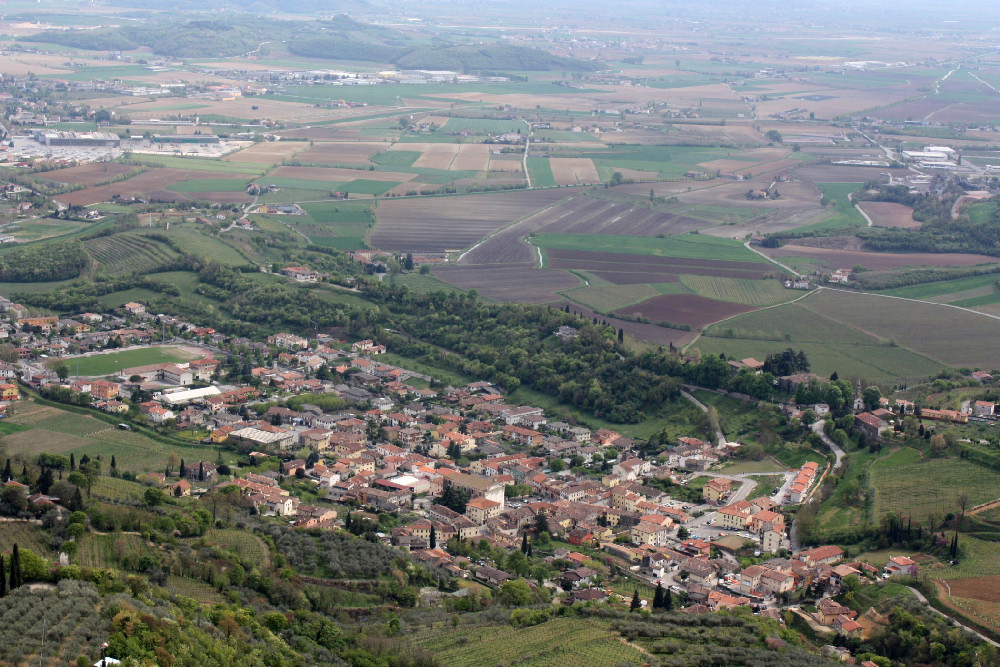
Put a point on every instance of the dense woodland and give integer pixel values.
(43, 262)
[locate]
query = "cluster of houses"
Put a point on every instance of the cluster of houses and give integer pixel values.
(401, 444)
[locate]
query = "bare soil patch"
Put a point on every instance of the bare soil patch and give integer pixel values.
(890, 214)
(684, 309)
(434, 225)
(271, 152)
(573, 171)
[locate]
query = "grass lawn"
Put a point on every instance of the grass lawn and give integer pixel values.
(112, 362)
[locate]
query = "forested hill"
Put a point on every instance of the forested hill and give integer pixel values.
(337, 38)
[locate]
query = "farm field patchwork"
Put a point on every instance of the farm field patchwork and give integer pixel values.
(831, 345)
(153, 184)
(690, 309)
(437, 224)
(734, 290)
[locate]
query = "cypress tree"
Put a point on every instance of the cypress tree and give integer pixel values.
(16, 578)
(114, 464)
(45, 481)
(434, 540)
(668, 602)
(72, 461)
(529, 548)
(201, 471)
(7, 474)
(3, 578)
(635, 604)
(347, 522)
(658, 597)
(621, 335)
(77, 500)
(182, 469)
(524, 544)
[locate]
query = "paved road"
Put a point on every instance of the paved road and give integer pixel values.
(920, 596)
(720, 437)
(772, 260)
(817, 428)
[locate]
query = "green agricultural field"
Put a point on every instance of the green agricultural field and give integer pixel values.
(976, 301)
(748, 292)
(854, 335)
(366, 186)
(541, 172)
(397, 158)
(36, 230)
(844, 213)
(210, 185)
(203, 164)
(561, 641)
(57, 431)
(689, 246)
(667, 161)
(606, 298)
(941, 333)
(106, 364)
(912, 486)
(943, 287)
(118, 299)
(875, 363)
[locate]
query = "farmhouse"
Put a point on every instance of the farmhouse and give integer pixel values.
(869, 425)
(736, 366)
(301, 274)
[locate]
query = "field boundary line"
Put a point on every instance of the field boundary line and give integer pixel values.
(777, 305)
(903, 298)
(506, 227)
(771, 260)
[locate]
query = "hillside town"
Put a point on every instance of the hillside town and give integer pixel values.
(463, 463)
